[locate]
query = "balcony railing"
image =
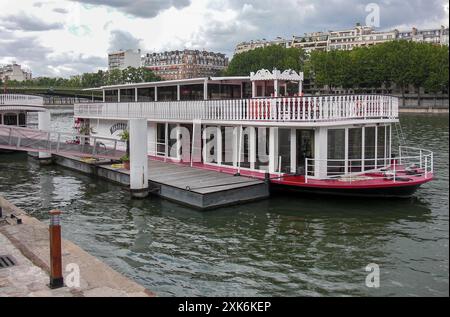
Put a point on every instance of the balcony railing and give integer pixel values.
(296, 109)
(21, 100)
(410, 162)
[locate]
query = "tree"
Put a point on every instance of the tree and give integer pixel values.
(269, 57)
(437, 81)
(89, 80)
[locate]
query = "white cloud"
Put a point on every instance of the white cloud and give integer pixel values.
(66, 37)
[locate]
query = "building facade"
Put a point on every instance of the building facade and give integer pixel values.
(186, 64)
(316, 41)
(433, 36)
(248, 46)
(124, 59)
(14, 72)
(359, 36)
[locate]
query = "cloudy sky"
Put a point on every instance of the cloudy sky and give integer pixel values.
(67, 37)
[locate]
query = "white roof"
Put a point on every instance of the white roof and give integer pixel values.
(169, 82)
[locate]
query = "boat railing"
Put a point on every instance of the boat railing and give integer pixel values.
(19, 99)
(292, 109)
(410, 162)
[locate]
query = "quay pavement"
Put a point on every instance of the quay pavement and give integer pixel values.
(28, 244)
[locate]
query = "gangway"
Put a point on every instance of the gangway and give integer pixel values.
(32, 140)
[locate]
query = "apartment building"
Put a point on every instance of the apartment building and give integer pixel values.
(185, 64)
(311, 41)
(14, 72)
(348, 39)
(358, 37)
(434, 36)
(248, 46)
(123, 59)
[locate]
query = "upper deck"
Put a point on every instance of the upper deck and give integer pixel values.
(269, 98)
(324, 110)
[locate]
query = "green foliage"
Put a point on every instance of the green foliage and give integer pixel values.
(125, 135)
(270, 57)
(89, 80)
(125, 158)
(398, 62)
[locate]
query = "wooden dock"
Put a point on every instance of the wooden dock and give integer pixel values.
(201, 188)
(194, 187)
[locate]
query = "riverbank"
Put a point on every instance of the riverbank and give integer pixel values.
(424, 110)
(28, 244)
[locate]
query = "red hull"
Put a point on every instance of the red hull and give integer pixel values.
(370, 184)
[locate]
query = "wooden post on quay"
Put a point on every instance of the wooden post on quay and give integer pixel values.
(56, 276)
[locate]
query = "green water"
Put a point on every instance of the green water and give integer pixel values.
(285, 246)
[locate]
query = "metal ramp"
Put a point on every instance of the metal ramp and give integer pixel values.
(32, 140)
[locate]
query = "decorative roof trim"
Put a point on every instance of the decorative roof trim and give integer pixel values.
(264, 74)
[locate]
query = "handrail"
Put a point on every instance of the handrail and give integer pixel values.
(289, 109)
(421, 163)
(26, 139)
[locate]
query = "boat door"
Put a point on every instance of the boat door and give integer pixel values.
(305, 148)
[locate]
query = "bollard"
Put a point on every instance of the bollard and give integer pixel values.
(1, 212)
(56, 277)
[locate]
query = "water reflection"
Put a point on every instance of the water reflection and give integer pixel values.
(288, 245)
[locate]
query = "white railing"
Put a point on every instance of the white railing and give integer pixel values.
(412, 156)
(26, 139)
(313, 109)
(410, 161)
(21, 100)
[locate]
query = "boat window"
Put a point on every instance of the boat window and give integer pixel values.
(111, 95)
(284, 150)
(369, 148)
(262, 149)
(161, 139)
(245, 152)
(22, 120)
(127, 95)
(168, 93)
(227, 145)
(146, 94)
(224, 91)
(355, 149)
(336, 152)
(191, 92)
(172, 140)
(211, 144)
(381, 142)
(10, 119)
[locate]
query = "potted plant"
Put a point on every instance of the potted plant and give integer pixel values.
(126, 161)
(125, 136)
(85, 131)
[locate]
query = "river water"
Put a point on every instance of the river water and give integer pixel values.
(284, 246)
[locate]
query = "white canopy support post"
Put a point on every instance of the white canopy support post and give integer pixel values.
(205, 90)
(138, 158)
(240, 150)
(293, 150)
(273, 149)
(275, 88)
(44, 120)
